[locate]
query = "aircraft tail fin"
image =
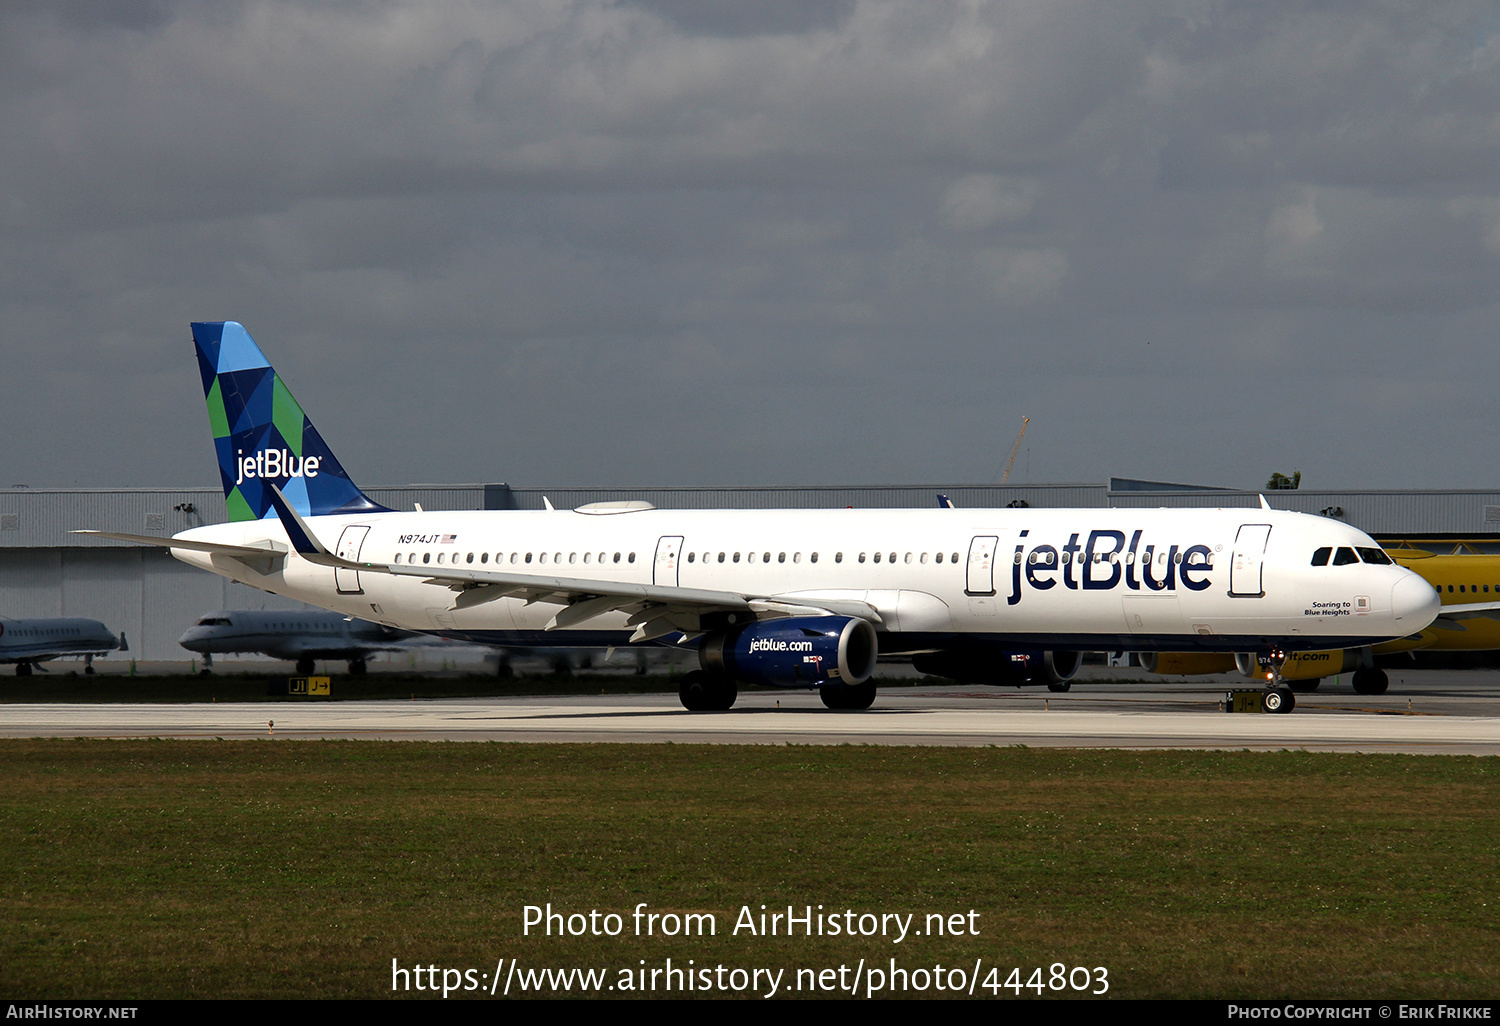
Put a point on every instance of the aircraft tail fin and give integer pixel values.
(261, 434)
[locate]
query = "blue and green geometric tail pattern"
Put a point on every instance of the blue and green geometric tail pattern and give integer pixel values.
(261, 433)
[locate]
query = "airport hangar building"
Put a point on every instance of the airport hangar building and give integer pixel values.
(47, 571)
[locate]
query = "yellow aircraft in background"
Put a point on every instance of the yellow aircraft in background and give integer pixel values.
(1468, 585)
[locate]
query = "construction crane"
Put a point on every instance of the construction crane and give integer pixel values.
(1015, 449)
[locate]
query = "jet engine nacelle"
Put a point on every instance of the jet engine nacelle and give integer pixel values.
(1001, 668)
(1187, 663)
(1303, 665)
(794, 652)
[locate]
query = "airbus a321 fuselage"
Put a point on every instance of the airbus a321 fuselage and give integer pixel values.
(793, 598)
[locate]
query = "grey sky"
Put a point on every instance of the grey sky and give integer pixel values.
(677, 242)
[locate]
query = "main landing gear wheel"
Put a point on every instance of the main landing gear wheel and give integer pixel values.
(356, 666)
(1062, 685)
(1303, 687)
(1280, 700)
(23, 669)
(848, 696)
(305, 667)
(1370, 682)
(701, 692)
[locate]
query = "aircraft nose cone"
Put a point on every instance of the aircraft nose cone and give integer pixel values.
(1414, 603)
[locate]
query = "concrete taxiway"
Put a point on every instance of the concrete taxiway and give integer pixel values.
(1461, 718)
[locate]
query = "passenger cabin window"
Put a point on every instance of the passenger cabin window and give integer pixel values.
(1344, 556)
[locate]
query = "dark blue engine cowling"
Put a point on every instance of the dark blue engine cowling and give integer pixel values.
(1014, 668)
(794, 652)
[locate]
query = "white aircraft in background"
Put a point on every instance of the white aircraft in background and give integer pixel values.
(28, 643)
(788, 598)
(306, 635)
(296, 635)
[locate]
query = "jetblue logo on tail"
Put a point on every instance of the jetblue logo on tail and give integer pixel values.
(275, 464)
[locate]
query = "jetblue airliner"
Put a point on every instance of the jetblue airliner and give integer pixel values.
(789, 598)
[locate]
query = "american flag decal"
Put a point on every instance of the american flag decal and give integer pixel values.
(448, 539)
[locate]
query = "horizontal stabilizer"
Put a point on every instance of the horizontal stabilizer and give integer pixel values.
(219, 548)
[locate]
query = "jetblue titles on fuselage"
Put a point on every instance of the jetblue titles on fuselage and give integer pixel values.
(1104, 562)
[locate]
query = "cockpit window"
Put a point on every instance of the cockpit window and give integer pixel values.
(1376, 556)
(1320, 557)
(1344, 556)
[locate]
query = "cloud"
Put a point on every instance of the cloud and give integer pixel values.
(664, 240)
(980, 201)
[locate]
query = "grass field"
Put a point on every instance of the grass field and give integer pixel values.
(301, 869)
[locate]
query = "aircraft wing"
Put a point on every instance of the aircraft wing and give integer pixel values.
(1450, 618)
(654, 609)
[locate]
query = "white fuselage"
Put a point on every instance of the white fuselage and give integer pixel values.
(48, 638)
(288, 634)
(1226, 580)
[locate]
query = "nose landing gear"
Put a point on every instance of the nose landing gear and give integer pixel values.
(1279, 698)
